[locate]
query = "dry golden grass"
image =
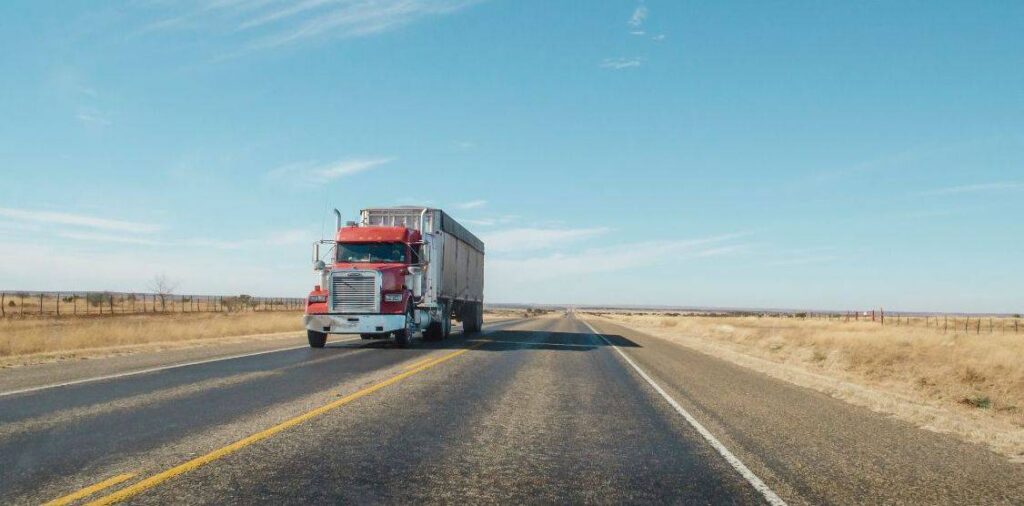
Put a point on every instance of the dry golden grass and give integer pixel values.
(978, 380)
(31, 336)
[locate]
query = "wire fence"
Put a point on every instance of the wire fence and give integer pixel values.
(60, 304)
(946, 323)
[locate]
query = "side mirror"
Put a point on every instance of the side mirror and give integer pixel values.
(319, 265)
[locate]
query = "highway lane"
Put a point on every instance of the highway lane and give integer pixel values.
(541, 410)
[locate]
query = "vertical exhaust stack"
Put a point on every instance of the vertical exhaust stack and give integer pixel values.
(337, 220)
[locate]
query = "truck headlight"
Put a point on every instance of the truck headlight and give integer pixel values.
(317, 298)
(393, 297)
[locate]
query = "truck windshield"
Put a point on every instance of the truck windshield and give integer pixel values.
(380, 252)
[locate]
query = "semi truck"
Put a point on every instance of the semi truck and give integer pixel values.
(396, 273)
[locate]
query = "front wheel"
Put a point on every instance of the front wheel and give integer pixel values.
(403, 337)
(316, 339)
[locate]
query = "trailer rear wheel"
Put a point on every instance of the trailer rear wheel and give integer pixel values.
(473, 317)
(316, 339)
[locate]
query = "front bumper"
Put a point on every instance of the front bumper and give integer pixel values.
(354, 323)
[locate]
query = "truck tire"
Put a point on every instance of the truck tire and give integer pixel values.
(435, 331)
(316, 339)
(473, 318)
(403, 337)
(366, 336)
(446, 324)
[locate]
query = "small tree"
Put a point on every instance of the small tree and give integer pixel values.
(162, 287)
(96, 299)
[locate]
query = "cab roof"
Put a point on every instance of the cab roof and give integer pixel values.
(377, 234)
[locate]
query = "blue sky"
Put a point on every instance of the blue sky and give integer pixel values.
(740, 154)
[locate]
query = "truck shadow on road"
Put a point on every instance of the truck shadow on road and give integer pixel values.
(512, 340)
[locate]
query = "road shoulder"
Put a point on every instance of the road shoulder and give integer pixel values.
(817, 449)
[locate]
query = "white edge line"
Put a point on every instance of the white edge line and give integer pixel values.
(175, 366)
(152, 369)
(734, 461)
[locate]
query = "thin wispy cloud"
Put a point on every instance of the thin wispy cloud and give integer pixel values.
(639, 16)
(976, 188)
(265, 24)
(533, 239)
(80, 220)
(472, 204)
(92, 117)
(621, 63)
(107, 238)
(304, 173)
(611, 258)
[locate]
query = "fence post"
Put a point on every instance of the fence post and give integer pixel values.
(3, 304)
(40, 304)
(58, 303)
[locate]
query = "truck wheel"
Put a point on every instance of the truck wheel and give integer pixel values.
(435, 331)
(446, 324)
(316, 339)
(404, 336)
(473, 318)
(366, 336)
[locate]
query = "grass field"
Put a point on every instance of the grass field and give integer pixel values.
(967, 383)
(38, 335)
(21, 337)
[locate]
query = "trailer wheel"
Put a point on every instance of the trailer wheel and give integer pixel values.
(366, 336)
(473, 318)
(316, 339)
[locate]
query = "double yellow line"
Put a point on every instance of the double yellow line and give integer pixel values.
(197, 462)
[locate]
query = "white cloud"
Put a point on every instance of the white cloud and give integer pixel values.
(660, 37)
(472, 204)
(56, 218)
(533, 239)
(90, 116)
(108, 238)
(304, 173)
(638, 17)
(265, 24)
(621, 63)
(515, 271)
(976, 188)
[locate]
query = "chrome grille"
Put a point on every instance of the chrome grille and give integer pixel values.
(354, 292)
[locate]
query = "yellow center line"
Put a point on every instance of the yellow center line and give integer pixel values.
(163, 476)
(91, 489)
(418, 363)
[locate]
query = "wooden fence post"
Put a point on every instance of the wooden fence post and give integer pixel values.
(3, 304)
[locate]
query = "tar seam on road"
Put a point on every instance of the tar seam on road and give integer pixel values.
(734, 461)
(186, 364)
(152, 369)
(91, 489)
(197, 462)
(161, 477)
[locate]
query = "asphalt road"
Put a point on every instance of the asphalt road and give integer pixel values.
(537, 411)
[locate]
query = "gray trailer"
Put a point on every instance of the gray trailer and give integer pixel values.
(453, 280)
